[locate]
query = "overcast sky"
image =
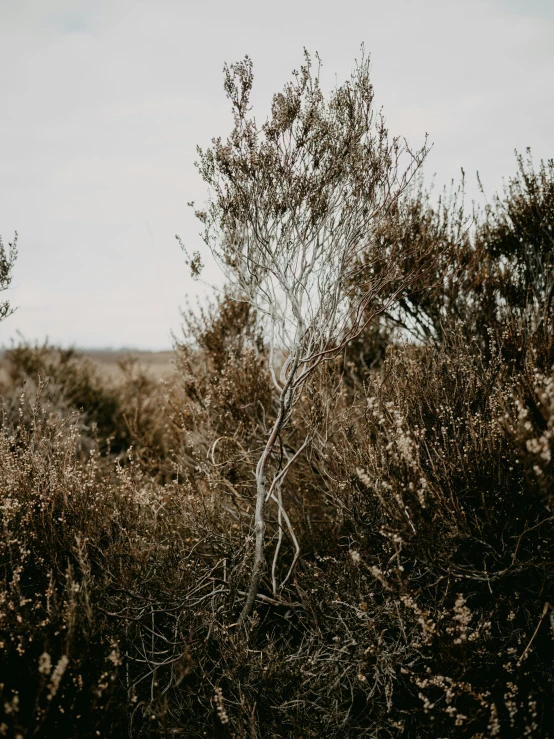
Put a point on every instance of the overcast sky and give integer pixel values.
(104, 101)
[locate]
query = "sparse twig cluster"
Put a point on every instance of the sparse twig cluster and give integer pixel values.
(295, 205)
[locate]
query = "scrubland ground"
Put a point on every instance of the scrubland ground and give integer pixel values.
(112, 363)
(421, 603)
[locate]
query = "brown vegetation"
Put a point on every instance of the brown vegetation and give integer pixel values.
(421, 603)
(334, 519)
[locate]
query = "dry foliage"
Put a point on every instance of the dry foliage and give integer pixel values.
(7, 261)
(294, 208)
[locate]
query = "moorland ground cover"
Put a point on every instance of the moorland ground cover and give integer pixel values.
(420, 604)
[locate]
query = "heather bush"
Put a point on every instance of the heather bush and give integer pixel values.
(59, 662)
(113, 415)
(448, 521)
(97, 574)
(492, 267)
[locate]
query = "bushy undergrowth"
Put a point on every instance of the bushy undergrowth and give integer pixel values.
(422, 600)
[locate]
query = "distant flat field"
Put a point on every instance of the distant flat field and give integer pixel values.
(158, 364)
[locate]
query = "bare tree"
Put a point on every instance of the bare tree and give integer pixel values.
(7, 260)
(293, 207)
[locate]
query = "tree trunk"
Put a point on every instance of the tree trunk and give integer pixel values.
(286, 402)
(259, 529)
(259, 518)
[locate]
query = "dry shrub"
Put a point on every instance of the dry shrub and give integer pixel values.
(113, 415)
(456, 538)
(7, 261)
(60, 520)
(98, 579)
